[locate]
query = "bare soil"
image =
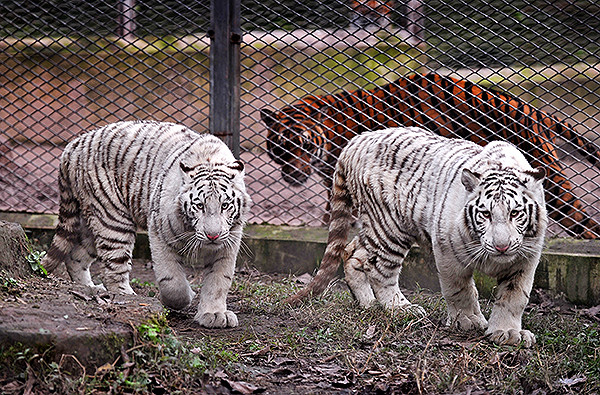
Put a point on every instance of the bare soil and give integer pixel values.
(83, 333)
(105, 344)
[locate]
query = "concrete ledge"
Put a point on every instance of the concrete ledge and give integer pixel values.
(577, 276)
(570, 267)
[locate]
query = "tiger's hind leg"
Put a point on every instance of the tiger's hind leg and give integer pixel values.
(71, 241)
(114, 238)
(72, 245)
(382, 269)
(83, 256)
(355, 257)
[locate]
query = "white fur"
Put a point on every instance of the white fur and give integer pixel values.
(187, 189)
(426, 201)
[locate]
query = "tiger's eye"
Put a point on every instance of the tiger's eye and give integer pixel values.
(224, 205)
(514, 213)
(486, 214)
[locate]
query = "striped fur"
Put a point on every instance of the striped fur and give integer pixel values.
(311, 133)
(477, 208)
(185, 188)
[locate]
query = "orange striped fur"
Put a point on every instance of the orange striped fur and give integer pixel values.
(310, 134)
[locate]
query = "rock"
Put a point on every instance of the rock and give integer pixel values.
(70, 324)
(79, 329)
(13, 250)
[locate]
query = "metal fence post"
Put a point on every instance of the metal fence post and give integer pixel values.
(126, 20)
(225, 37)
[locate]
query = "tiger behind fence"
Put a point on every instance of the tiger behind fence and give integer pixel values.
(312, 132)
(476, 208)
(185, 188)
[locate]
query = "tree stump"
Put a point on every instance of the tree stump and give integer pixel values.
(13, 250)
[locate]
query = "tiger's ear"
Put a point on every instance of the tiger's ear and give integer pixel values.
(267, 116)
(538, 174)
(186, 171)
(185, 167)
(237, 165)
(469, 179)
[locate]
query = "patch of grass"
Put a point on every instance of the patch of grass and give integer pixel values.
(566, 357)
(569, 349)
(332, 343)
(263, 297)
(146, 288)
(34, 259)
(140, 283)
(9, 285)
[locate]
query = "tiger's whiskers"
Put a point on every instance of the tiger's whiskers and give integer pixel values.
(191, 244)
(475, 253)
(243, 246)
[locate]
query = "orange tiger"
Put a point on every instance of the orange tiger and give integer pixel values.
(311, 132)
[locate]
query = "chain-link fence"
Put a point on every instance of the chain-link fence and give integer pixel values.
(70, 66)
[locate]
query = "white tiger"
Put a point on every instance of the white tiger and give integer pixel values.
(185, 188)
(477, 208)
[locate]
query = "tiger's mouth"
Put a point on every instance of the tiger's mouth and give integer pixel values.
(213, 245)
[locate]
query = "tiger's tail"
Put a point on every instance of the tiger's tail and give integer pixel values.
(568, 209)
(68, 230)
(339, 227)
(584, 146)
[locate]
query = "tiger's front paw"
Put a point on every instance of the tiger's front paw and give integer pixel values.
(511, 337)
(467, 322)
(98, 288)
(226, 319)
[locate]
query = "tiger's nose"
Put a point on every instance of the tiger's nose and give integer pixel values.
(212, 237)
(502, 248)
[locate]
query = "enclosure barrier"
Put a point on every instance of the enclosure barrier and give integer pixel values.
(67, 67)
(568, 268)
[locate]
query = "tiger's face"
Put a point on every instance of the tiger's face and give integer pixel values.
(213, 201)
(505, 214)
(294, 141)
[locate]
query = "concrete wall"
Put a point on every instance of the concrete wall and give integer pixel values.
(570, 267)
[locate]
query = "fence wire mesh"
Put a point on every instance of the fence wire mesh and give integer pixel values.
(70, 66)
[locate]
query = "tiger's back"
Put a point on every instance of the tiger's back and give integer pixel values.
(414, 174)
(476, 207)
(129, 159)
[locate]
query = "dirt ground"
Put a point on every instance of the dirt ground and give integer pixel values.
(87, 330)
(328, 346)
